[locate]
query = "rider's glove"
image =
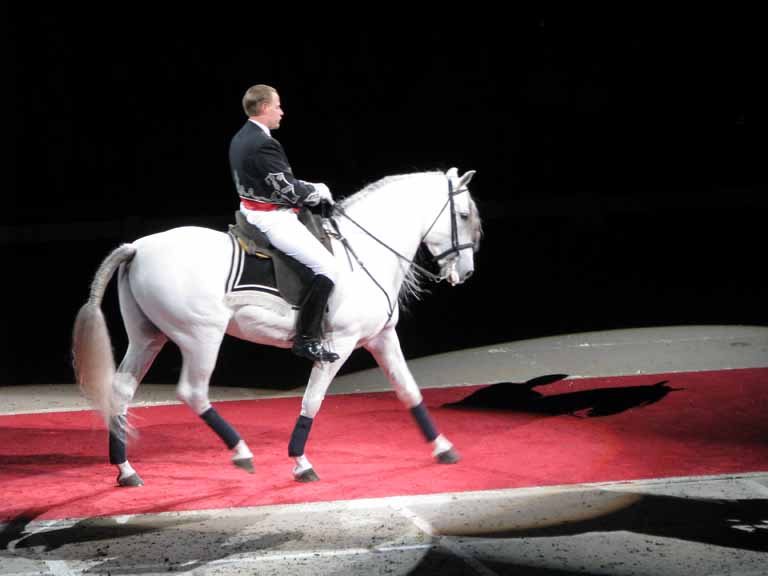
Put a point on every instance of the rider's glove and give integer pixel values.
(320, 194)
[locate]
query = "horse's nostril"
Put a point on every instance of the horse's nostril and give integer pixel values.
(467, 274)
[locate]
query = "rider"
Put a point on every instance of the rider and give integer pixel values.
(270, 198)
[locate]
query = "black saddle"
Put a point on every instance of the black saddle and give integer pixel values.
(265, 267)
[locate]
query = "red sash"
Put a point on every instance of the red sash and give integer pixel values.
(264, 206)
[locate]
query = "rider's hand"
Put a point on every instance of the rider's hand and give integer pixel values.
(324, 192)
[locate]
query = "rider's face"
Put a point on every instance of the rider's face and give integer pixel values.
(272, 112)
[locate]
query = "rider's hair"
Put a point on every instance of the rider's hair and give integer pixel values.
(256, 97)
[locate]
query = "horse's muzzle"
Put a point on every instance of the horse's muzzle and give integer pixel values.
(454, 278)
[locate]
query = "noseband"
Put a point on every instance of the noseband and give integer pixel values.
(455, 248)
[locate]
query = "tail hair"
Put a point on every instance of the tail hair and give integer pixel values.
(92, 357)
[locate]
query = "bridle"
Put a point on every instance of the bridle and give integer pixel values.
(454, 250)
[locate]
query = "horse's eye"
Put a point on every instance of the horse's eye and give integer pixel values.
(464, 216)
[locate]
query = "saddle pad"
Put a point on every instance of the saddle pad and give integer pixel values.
(250, 273)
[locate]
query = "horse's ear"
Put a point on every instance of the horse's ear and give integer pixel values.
(465, 179)
(452, 174)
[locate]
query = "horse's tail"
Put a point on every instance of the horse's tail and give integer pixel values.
(92, 356)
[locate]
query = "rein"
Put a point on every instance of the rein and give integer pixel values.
(348, 248)
(431, 275)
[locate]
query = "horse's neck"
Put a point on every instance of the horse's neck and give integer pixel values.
(398, 214)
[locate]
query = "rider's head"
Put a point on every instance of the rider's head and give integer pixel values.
(262, 103)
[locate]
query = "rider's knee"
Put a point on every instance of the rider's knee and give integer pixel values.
(330, 271)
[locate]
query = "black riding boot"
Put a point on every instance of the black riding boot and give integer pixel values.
(309, 326)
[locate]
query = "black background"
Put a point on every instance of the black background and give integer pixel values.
(614, 172)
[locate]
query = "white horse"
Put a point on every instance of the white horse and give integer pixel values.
(172, 286)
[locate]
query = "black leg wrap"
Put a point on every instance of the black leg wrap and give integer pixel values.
(221, 427)
(299, 436)
(117, 451)
(424, 421)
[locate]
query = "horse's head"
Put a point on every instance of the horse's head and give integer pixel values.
(454, 237)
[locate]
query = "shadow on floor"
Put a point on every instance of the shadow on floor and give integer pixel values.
(136, 546)
(521, 397)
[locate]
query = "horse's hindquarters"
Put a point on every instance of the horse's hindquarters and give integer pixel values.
(178, 279)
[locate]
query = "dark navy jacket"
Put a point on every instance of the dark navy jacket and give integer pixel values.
(261, 171)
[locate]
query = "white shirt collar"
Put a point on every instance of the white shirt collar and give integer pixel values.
(260, 125)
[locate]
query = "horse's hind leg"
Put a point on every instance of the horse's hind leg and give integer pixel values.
(199, 353)
(385, 348)
(135, 364)
(144, 343)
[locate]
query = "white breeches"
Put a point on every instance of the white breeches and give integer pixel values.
(291, 237)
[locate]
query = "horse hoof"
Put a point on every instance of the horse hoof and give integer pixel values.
(133, 481)
(245, 464)
(449, 456)
(308, 475)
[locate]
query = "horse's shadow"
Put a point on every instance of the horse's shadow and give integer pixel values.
(521, 397)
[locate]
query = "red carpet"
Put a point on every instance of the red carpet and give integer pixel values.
(366, 445)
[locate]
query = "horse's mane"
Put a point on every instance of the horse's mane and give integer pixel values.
(378, 185)
(412, 288)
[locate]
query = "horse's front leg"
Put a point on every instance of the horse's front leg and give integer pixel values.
(320, 378)
(385, 348)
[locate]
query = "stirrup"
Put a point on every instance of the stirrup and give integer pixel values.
(313, 350)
